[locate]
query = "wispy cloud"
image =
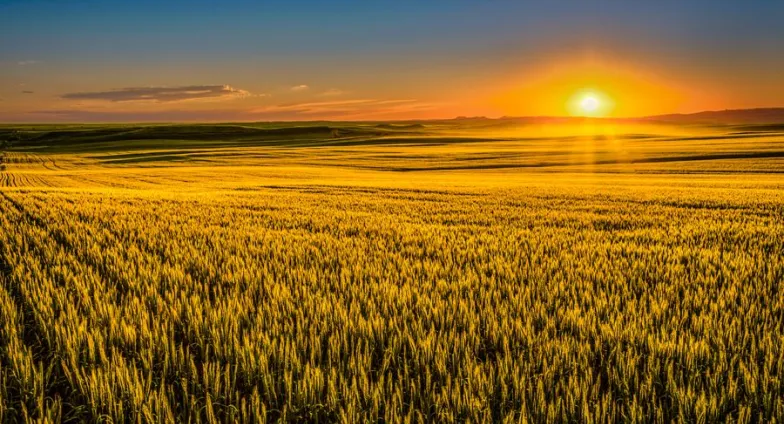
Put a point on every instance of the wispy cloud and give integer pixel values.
(333, 92)
(162, 94)
(314, 107)
(79, 115)
(28, 62)
(355, 108)
(348, 109)
(301, 87)
(393, 110)
(27, 92)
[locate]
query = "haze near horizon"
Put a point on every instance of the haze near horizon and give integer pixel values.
(91, 61)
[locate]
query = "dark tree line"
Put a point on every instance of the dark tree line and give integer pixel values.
(8, 140)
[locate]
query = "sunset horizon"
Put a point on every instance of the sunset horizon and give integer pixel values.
(199, 61)
(172, 118)
(440, 211)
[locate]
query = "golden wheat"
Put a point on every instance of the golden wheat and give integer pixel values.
(129, 296)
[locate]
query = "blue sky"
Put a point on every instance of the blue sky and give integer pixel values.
(438, 58)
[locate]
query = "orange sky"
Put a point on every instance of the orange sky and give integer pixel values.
(346, 60)
(541, 89)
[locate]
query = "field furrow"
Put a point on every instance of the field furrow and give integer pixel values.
(225, 274)
(81, 374)
(27, 374)
(359, 303)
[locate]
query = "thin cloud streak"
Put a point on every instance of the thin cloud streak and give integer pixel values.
(80, 115)
(355, 109)
(161, 94)
(333, 92)
(326, 106)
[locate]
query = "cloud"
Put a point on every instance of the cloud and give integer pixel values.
(349, 109)
(162, 94)
(344, 108)
(79, 115)
(394, 111)
(27, 92)
(332, 92)
(306, 107)
(28, 62)
(301, 87)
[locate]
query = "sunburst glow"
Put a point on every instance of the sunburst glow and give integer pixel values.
(590, 103)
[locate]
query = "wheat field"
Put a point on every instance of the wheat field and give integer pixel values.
(443, 272)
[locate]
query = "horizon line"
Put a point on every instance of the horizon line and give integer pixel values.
(453, 118)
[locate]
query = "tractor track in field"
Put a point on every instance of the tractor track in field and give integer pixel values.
(36, 336)
(33, 335)
(180, 337)
(68, 392)
(8, 179)
(50, 164)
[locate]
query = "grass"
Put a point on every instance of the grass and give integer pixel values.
(451, 274)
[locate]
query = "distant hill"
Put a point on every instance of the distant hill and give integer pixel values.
(731, 116)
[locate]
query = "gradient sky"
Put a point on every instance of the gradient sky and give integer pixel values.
(108, 60)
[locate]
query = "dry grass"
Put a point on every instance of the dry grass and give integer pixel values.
(288, 288)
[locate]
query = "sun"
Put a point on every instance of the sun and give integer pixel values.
(590, 103)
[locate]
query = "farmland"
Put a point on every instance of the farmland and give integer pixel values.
(440, 271)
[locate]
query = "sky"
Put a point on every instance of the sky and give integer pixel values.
(199, 60)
